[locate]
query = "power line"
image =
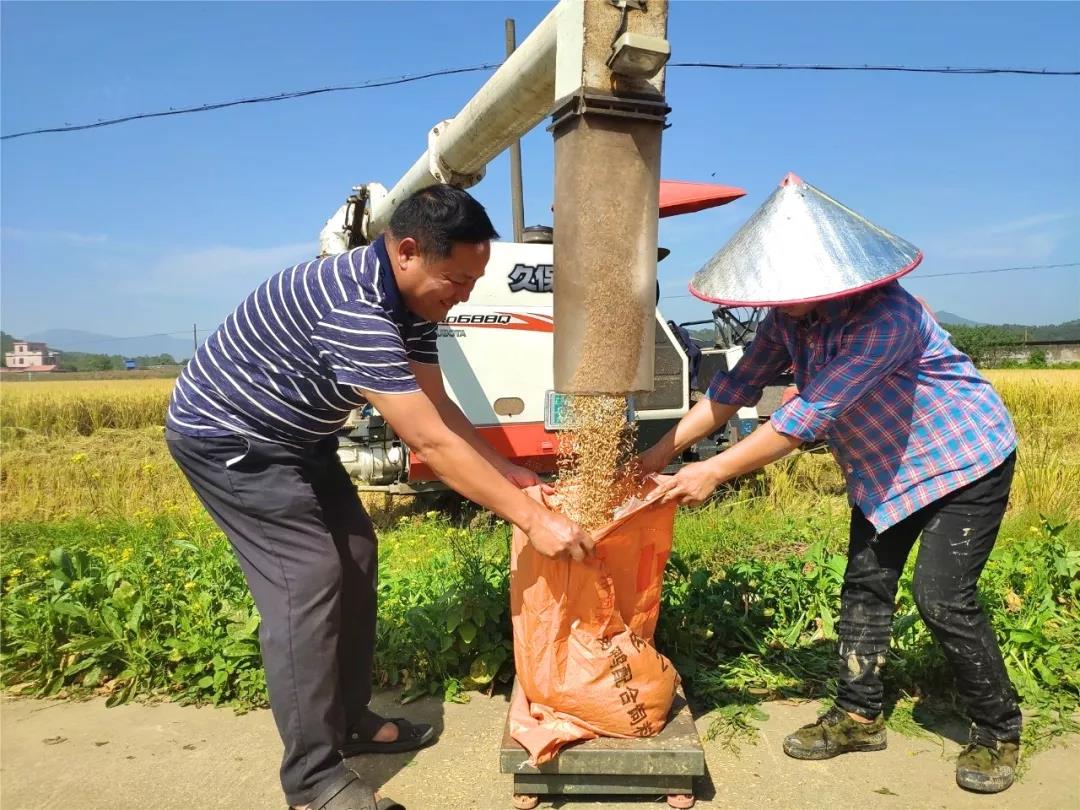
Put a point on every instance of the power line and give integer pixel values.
(415, 77)
(962, 71)
(996, 270)
(406, 79)
(956, 273)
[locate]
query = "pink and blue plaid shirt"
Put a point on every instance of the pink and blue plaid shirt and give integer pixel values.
(906, 414)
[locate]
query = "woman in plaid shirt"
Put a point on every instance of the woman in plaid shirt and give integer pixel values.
(925, 444)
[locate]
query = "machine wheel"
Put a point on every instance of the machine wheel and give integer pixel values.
(681, 800)
(525, 801)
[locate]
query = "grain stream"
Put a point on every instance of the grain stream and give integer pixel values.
(596, 457)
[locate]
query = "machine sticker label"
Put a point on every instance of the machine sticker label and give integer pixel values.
(452, 325)
(531, 278)
(478, 319)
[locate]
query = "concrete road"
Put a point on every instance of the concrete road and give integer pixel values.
(82, 756)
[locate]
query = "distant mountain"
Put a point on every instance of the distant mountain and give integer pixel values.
(76, 340)
(956, 320)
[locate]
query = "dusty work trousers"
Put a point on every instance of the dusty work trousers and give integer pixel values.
(308, 551)
(958, 533)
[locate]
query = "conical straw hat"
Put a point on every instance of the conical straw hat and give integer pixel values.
(801, 246)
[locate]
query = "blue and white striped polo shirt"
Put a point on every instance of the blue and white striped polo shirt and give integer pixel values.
(286, 365)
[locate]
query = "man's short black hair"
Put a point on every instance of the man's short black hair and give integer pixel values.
(438, 216)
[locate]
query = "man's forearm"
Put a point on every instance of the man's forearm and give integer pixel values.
(417, 420)
(458, 464)
(459, 423)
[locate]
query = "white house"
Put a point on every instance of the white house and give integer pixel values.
(28, 356)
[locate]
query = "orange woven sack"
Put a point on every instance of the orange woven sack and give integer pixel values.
(583, 636)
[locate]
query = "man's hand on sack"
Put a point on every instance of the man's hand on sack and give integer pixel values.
(556, 536)
(691, 485)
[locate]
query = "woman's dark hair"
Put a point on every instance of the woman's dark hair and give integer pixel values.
(438, 216)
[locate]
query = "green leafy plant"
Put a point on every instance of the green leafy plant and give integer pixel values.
(159, 608)
(758, 630)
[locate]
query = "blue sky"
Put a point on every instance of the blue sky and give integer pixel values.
(153, 225)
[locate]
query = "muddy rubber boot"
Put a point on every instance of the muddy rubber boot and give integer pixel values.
(835, 733)
(987, 765)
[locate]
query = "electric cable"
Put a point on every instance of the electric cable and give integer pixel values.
(220, 105)
(406, 79)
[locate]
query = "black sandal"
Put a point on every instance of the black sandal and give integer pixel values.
(347, 792)
(411, 736)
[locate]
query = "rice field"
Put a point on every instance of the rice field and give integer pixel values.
(95, 448)
(63, 408)
(1045, 405)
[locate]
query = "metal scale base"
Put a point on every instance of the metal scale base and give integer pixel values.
(662, 765)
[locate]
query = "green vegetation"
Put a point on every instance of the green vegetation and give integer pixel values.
(7, 344)
(1069, 330)
(983, 344)
(88, 361)
(159, 608)
(753, 631)
(113, 581)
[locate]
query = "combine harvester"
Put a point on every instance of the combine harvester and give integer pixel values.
(497, 356)
(573, 315)
(498, 351)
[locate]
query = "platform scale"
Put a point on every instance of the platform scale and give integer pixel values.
(664, 765)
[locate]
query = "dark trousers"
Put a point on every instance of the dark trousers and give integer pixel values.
(308, 551)
(958, 533)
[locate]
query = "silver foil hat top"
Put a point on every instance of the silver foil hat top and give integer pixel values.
(800, 246)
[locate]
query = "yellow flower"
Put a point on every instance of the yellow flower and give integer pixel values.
(78, 458)
(14, 573)
(189, 585)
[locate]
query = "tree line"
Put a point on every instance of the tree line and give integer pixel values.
(90, 361)
(986, 345)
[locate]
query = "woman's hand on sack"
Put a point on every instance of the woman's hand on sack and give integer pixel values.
(554, 535)
(522, 478)
(691, 485)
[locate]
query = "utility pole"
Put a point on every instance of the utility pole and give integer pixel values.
(516, 198)
(194, 339)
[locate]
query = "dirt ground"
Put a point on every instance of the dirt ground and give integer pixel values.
(82, 755)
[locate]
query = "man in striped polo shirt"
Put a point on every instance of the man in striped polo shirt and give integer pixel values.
(252, 424)
(925, 444)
